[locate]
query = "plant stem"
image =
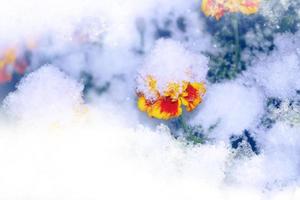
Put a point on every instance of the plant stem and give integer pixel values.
(184, 126)
(235, 25)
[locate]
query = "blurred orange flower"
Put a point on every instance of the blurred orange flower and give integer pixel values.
(11, 60)
(217, 8)
(168, 105)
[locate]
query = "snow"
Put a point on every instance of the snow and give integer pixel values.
(281, 149)
(57, 26)
(102, 152)
(278, 74)
(56, 143)
(106, 162)
(232, 107)
(117, 17)
(45, 95)
(275, 9)
(95, 155)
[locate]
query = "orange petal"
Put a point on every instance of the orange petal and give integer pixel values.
(213, 8)
(4, 76)
(192, 95)
(249, 6)
(217, 8)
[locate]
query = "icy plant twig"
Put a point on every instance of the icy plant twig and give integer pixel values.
(289, 112)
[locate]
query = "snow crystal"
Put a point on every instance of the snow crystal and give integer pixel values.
(46, 95)
(275, 9)
(281, 149)
(276, 168)
(279, 72)
(117, 17)
(230, 108)
(96, 157)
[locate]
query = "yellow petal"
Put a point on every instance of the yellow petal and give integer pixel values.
(142, 103)
(173, 90)
(152, 83)
(213, 8)
(249, 6)
(217, 8)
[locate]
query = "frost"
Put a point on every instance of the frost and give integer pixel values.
(96, 157)
(46, 95)
(275, 9)
(229, 109)
(281, 147)
(55, 145)
(279, 73)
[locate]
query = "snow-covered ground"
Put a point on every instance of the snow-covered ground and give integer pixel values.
(58, 141)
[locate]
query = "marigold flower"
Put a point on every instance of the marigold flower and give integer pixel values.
(11, 60)
(169, 104)
(217, 8)
(166, 86)
(8, 57)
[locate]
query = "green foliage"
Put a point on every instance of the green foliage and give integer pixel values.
(255, 36)
(289, 22)
(232, 42)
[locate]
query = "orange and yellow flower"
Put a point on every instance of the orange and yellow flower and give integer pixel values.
(217, 8)
(8, 57)
(168, 104)
(11, 61)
